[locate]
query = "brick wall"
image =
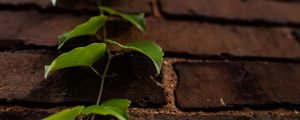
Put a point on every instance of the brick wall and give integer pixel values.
(225, 60)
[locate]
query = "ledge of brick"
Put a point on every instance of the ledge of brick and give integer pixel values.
(131, 6)
(256, 116)
(233, 84)
(249, 10)
(25, 113)
(132, 78)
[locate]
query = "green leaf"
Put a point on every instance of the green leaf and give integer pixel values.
(137, 20)
(81, 56)
(67, 114)
(120, 105)
(62, 39)
(53, 2)
(115, 107)
(90, 27)
(149, 48)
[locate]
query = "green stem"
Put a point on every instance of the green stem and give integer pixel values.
(99, 5)
(95, 71)
(102, 81)
(108, 60)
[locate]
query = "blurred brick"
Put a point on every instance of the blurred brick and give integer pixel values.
(40, 3)
(234, 84)
(132, 6)
(296, 34)
(249, 10)
(23, 113)
(141, 116)
(32, 27)
(211, 116)
(194, 38)
(22, 79)
(21, 72)
(27, 113)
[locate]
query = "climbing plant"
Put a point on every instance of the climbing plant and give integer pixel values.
(88, 55)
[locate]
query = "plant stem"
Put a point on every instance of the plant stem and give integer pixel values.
(103, 79)
(99, 5)
(104, 37)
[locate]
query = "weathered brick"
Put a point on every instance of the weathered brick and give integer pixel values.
(188, 37)
(132, 6)
(145, 116)
(249, 10)
(296, 34)
(232, 84)
(22, 79)
(40, 3)
(196, 38)
(139, 116)
(27, 113)
(23, 113)
(32, 27)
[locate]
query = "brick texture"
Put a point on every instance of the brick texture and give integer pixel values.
(226, 59)
(249, 10)
(256, 116)
(42, 30)
(26, 113)
(211, 39)
(233, 84)
(132, 6)
(23, 113)
(40, 3)
(198, 39)
(22, 79)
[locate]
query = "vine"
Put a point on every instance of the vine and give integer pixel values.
(88, 55)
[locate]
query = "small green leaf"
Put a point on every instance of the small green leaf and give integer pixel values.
(137, 20)
(53, 2)
(90, 27)
(115, 107)
(149, 48)
(67, 114)
(81, 56)
(62, 39)
(120, 105)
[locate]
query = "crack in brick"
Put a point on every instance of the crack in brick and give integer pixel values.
(19, 45)
(232, 57)
(224, 21)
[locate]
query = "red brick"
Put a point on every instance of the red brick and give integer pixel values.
(23, 113)
(188, 37)
(233, 84)
(20, 73)
(35, 28)
(132, 6)
(40, 3)
(196, 38)
(250, 10)
(139, 116)
(29, 113)
(209, 116)
(22, 79)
